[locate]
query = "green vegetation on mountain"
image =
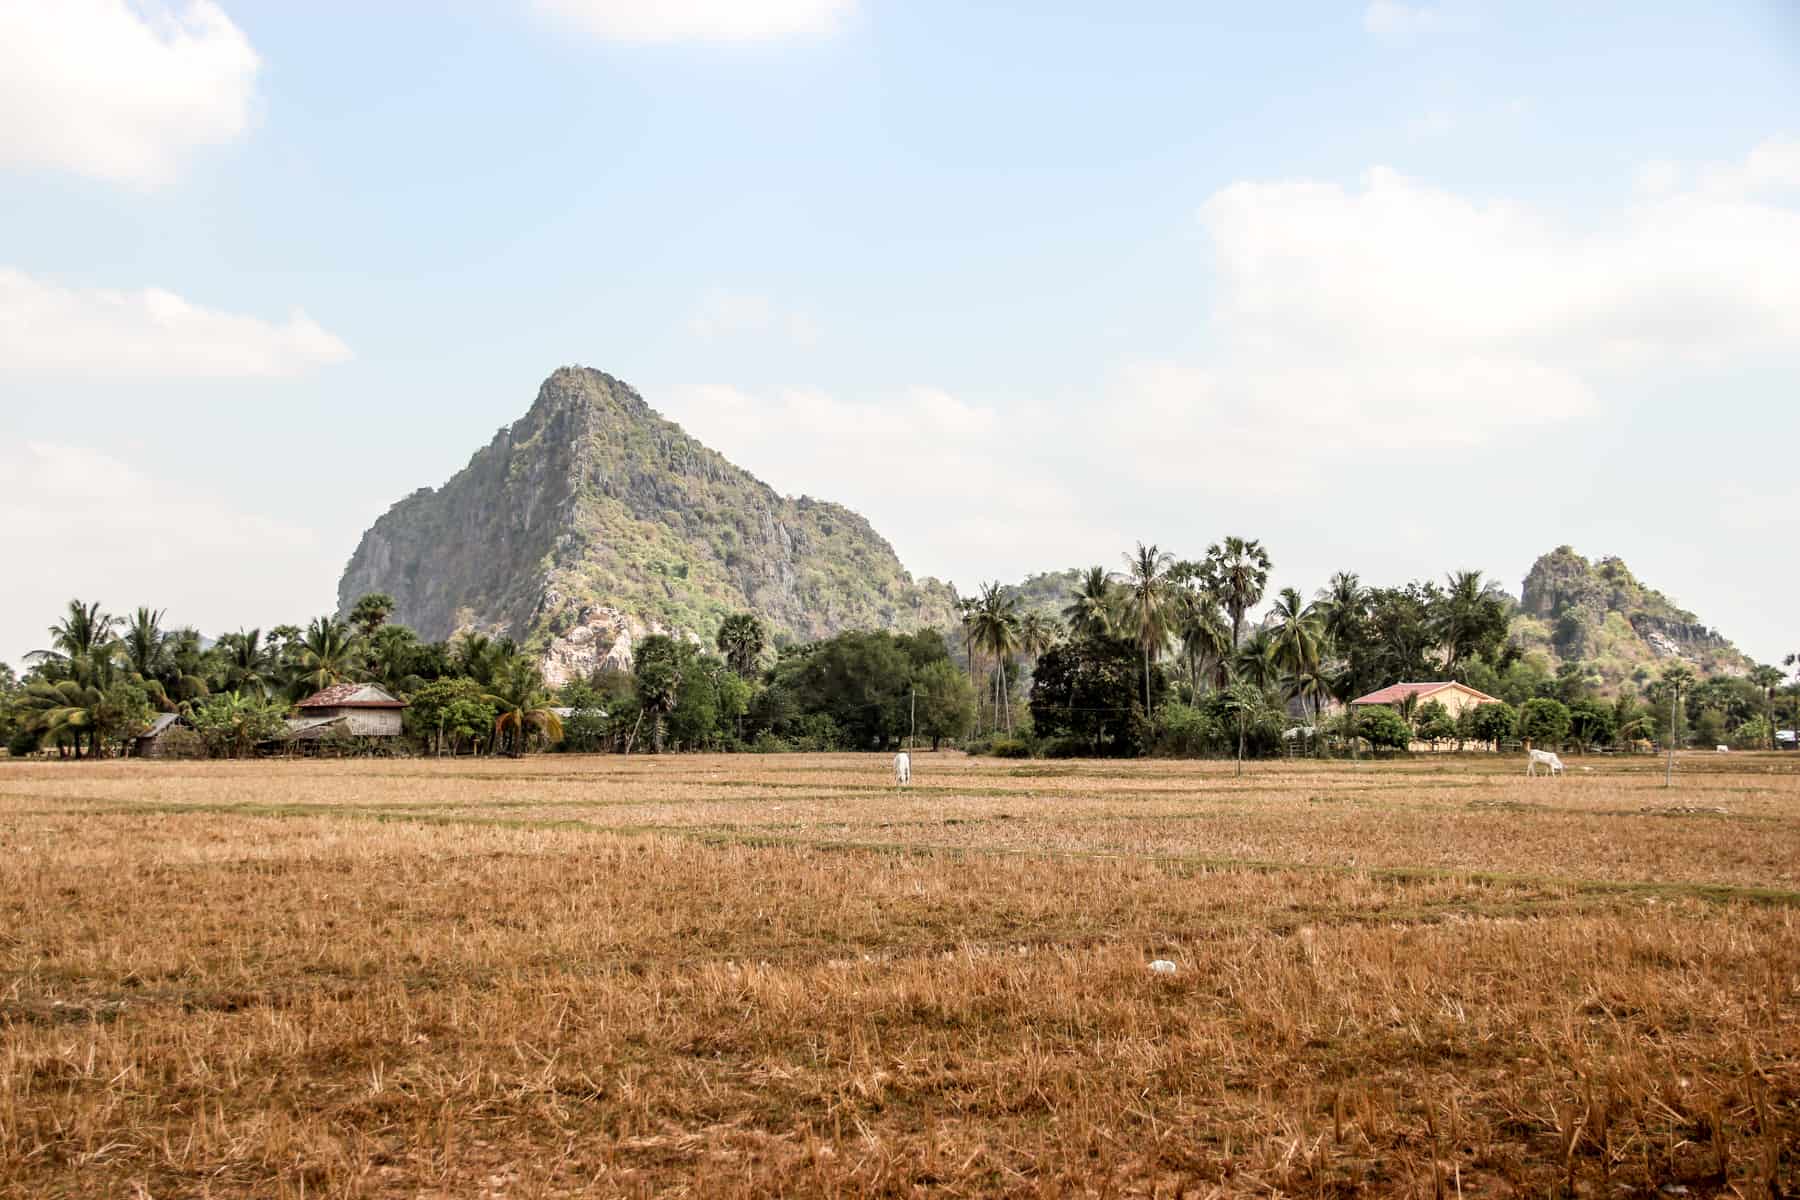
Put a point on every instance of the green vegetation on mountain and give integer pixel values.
(593, 518)
(1600, 616)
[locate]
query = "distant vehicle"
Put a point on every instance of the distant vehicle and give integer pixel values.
(1786, 739)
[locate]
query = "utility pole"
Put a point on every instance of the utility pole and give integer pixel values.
(1674, 713)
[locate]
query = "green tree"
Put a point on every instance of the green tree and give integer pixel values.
(246, 664)
(83, 632)
(741, 640)
(1092, 610)
(370, 613)
(1239, 570)
(658, 668)
(996, 632)
(1148, 606)
(522, 706)
(452, 710)
(1768, 678)
(329, 653)
(1384, 728)
(1591, 723)
(1470, 620)
(1297, 646)
(1085, 690)
(1491, 723)
(393, 659)
(1434, 723)
(1037, 633)
(1204, 637)
(231, 724)
(946, 701)
(1250, 706)
(1544, 722)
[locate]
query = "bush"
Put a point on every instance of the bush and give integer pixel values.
(1065, 747)
(1010, 747)
(1187, 732)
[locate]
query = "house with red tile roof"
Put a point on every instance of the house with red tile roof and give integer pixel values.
(1457, 698)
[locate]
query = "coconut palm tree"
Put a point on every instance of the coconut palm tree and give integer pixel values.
(1204, 636)
(1239, 569)
(478, 657)
(523, 704)
(248, 663)
(1037, 633)
(1297, 645)
(1147, 605)
(1092, 610)
(1254, 662)
(329, 653)
(741, 640)
(995, 630)
(1465, 608)
(83, 633)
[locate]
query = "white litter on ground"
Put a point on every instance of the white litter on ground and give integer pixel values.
(1163, 966)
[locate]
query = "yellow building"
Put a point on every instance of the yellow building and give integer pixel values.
(1457, 698)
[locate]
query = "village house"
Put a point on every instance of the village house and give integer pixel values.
(1457, 698)
(360, 709)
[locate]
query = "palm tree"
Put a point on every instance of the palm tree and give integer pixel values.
(1037, 633)
(1297, 645)
(523, 705)
(741, 640)
(1148, 606)
(146, 651)
(82, 633)
(1239, 568)
(1092, 610)
(995, 630)
(328, 654)
(1254, 661)
(66, 708)
(477, 656)
(392, 654)
(1204, 636)
(1249, 702)
(1676, 677)
(1461, 615)
(1343, 605)
(1768, 679)
(248, 663)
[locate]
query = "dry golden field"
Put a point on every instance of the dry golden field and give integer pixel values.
(755, 976)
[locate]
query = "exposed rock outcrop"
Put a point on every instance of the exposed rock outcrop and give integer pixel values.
(592, 521)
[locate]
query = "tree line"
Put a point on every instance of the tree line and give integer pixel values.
(1163, 656)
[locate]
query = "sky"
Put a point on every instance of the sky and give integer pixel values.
(1398, 288)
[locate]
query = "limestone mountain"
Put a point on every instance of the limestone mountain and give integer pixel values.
(1600, 613)
(592, 520)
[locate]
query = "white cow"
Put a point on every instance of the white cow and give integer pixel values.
(1536, 758)
(902, 768)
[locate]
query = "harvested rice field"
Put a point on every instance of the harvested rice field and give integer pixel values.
(750, 976)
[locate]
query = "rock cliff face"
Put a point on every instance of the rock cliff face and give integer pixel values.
(1600, 613)
(592, 521)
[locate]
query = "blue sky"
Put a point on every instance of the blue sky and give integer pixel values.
(1399, 288)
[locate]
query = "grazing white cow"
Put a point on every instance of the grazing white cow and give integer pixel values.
(1537, 758)
(902, 768)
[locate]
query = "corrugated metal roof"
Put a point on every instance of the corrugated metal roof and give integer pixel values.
(351, 695)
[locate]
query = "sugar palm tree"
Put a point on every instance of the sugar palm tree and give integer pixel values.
(1148, 605)
(523, 704)
(741, 640)
(1092, 609)
(995, 631)
(1768, 678)
(1239, 568)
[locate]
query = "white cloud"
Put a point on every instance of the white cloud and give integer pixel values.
(650, 21)
(95, 526)
(722, 314)
(1372, 322)
(117, 91)
(45, 327)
